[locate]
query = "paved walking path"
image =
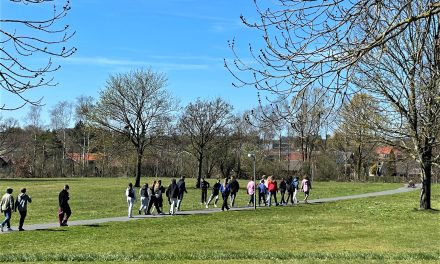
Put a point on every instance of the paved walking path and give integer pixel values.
(202, 211)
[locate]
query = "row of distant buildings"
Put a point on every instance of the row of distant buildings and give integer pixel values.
(381, 159)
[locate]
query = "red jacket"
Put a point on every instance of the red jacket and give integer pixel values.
(272, 186)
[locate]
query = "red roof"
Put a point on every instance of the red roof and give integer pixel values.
(87, 156)
(294, 156)
(386, 150)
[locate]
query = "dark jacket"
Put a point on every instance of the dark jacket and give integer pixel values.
(204, 185)
(234, 185)
(181, 185)
(173, 191)
(63, 199)
(216, 188)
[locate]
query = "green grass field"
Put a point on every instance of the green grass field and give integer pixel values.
(384, 229)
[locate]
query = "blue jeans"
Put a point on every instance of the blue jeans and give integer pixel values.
(7, 221)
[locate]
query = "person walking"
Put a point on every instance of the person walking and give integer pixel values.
(182, 190)
(261, 193)
(64, 211)
(305, 187)
(225, 189)
(6, 207)
(131, 198)
(295, 185)
(272, 188)
(289, 189)
(21, 205)
(144, 193)
(204, 185)
(173, 193)
(214, 193)
(282, 189)
(153, 199)
(250, 189)
(234, 187)
(159, 190)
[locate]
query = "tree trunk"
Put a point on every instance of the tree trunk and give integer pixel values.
(199, 172)
(425, 194)
(138, 167)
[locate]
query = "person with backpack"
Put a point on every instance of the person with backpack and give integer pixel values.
(261, 193)
(131, 198)
(6, 207)
(306, 186)
(144, 193)
(235, 186)
(214, 193)
(172, 194)
(21, 205)
(204, 185)
(250, 189)
(282, 189)
(295, 184)
(289, 190)
(182, 190)
(225, 189)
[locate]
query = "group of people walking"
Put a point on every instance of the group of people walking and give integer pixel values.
(153, 196)
(8, 205)
(269, 187)
(267, 190)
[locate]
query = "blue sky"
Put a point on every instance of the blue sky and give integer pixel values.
(185, 39)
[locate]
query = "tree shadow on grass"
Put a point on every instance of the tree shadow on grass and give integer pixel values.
(51, 230)
(39, 179)
(429, 211)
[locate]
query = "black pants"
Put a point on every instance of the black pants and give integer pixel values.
(22, 217)
(261, 197)
(283, 192)
(204, 196)
(225, 202)
(233, 195)
(289, 197)
(155, 201)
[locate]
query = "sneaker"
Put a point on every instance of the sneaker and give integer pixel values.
(207, 206)
(140, 212)
(20, 229)
(9, 229)
(1, 228)
(215, 205)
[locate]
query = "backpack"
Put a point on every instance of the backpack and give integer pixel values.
(295, 185)
(131, 193)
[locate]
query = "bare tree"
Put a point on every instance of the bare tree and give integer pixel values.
(325, 44)
(355, 126)
(203, 121)
(136, 105)
(60, 118)
(83, 108)
(23, 37)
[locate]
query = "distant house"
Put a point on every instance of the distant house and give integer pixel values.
(89, 157)
(5, 162)
(386, 152)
